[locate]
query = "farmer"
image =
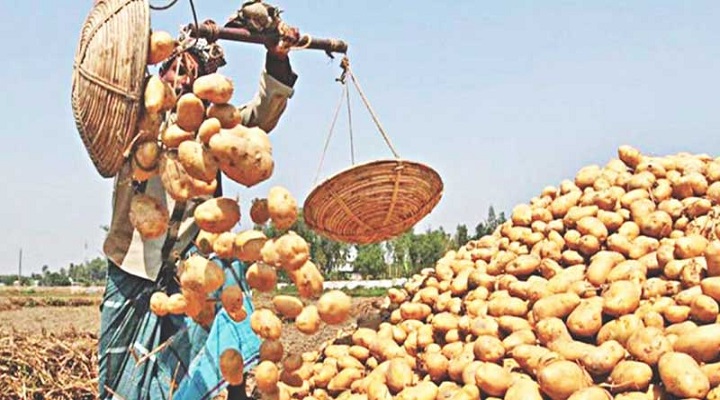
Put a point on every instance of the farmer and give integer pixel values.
(143, 356)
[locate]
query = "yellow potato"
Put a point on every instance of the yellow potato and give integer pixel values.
(266, 324)
(215, 88)
(682, 376)
(288, 306)
(197, 161)
(149, 216)
(174, 135)
(190, 112)
(228, 115)
(162, 45)
(231, 366)
(217, 215)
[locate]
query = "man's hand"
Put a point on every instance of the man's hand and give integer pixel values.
(289, 36)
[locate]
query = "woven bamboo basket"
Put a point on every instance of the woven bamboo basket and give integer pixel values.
(108, 79)
(373, 202)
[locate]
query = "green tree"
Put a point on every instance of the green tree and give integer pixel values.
(489, 225)
(370, 261)
(461, 236)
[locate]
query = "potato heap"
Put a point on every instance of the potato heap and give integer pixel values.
(604, 287)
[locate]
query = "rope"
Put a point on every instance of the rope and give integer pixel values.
(350, 126)
(372, 113)
(332, 127)
(165, 7)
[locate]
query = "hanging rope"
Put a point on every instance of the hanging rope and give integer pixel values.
(350, 126)
(372, 113)
(332, 127)
(165, 7)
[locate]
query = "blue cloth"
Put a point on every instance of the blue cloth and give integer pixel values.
(188, 354)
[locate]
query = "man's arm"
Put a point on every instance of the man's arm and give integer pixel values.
(276, 87)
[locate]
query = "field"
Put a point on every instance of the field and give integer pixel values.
(48, 340)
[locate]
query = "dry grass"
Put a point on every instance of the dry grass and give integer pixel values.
(48, 366)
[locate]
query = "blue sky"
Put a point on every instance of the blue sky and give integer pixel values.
(501, 98)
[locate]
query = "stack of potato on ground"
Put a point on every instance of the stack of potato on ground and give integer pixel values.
(604, 287)
(188, 141)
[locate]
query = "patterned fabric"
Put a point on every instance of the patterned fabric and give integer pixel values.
(146, 357)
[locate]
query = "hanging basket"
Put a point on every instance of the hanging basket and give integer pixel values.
(108, 77)
(373, 202)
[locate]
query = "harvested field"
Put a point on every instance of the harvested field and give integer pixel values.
(48, 351)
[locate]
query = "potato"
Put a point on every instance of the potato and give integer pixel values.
(232, 300)
(682, 376)
(517, 338)
(657, 224)
(601, 360)
(261, 277)
(161, 47)
(288, 306)
(488, 348)
(308, 280)
(266, 324)
(712, 257)
(227, 114)
(423, 391)
(271, 350)
(630, 375)
(201, 275)
(249, 244)
(586, 319)
(523, 389)
(217, 215)
(398, 375)
(561, 378)
(177, 304)
(242, 158)
(523, 265)
(159, 304)
(176, 181)
(415, 311)
(190, 112)
(704, 309)
(648, 345)
(557, 305)
(292, 250)
(224, 245)
(149, 216)
(493, 379)
(552, 329)
(282, 207)
(507, 306)
(308, 322)
(214, 88)
(267, 376)
(591, 393)
(197, 161)
(619, 329)
(334, 307)
(231, 366)
(702, 343)
(209, 128)
(621, 297)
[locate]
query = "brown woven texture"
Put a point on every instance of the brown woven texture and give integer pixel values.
(108, 79)
(373, 202)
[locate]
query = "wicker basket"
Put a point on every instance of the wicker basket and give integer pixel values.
(108, 79)
(373, 202)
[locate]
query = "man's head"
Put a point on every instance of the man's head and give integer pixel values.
(201, 58)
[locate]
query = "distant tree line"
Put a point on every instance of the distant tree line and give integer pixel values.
(400, 257)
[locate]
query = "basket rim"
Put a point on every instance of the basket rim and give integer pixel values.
(423, 211)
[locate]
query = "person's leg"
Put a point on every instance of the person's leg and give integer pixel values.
(129, 332)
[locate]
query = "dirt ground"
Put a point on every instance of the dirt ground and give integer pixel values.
(23, 323)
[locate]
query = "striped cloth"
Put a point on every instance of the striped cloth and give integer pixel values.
(146, 357)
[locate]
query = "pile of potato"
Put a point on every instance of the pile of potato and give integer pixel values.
(187, 141)
(605, 287)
